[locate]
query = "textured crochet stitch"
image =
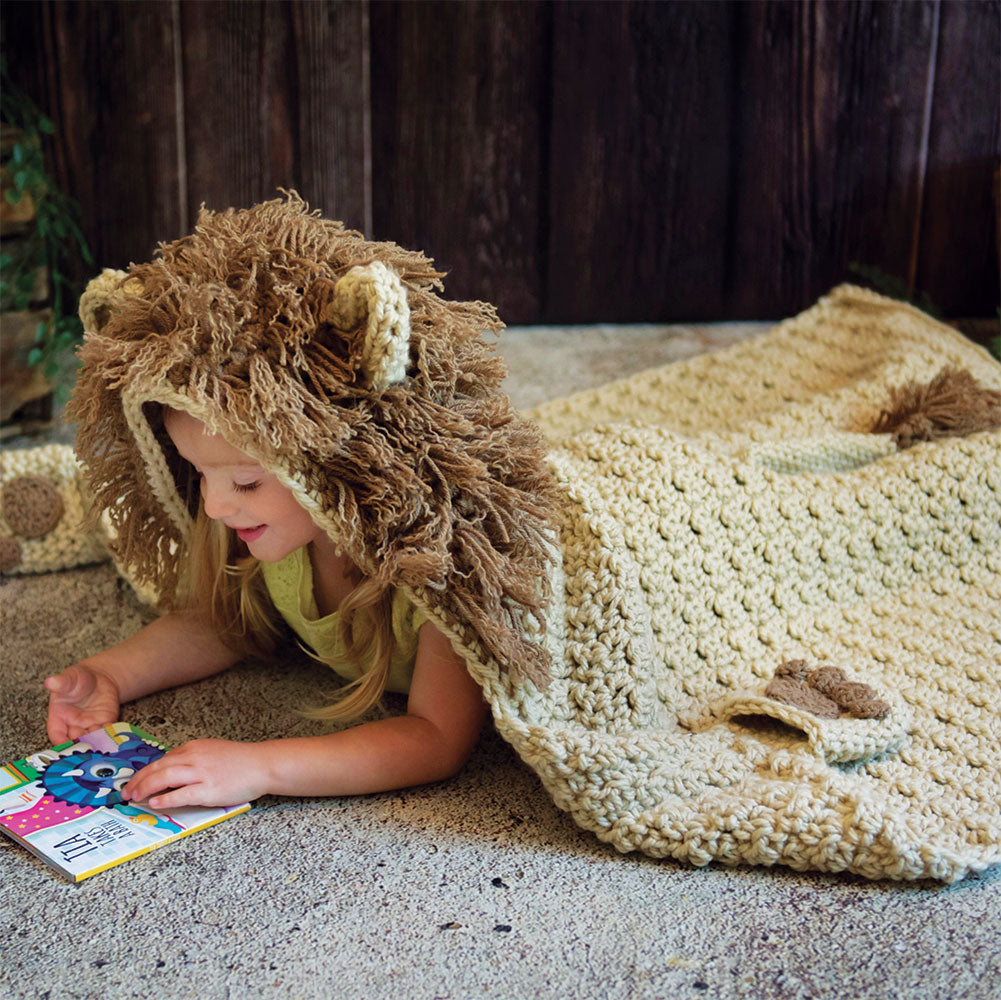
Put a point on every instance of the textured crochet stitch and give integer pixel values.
(42, 511)
(729, 514)
(711, 522)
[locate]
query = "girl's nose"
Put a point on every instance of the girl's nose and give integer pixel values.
(217, 505)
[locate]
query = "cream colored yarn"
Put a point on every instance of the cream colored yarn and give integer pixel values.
(101, 293)
(67, 544)
(727, 514)
(374, 295)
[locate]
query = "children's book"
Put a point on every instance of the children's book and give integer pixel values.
(64, 804)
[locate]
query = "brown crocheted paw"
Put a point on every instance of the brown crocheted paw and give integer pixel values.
(842, 720)
(854, 699)
(32, 506)
(825, 692)
(790, 686)
(43, 507)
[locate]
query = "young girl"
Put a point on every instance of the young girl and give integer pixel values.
(287, 428)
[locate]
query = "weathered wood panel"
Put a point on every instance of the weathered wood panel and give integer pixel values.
(830, 110)
(227, 53)
(458, 120)
(958, 261)
(162, 106)
(569, 161)
(332, 156)
(640, 152)
(107, 81)
(275, 95)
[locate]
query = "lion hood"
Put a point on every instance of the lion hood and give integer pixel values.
(335, 363)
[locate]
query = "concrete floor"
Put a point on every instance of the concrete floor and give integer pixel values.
(477, 888)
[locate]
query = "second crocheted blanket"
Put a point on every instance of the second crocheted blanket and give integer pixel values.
(780, 638)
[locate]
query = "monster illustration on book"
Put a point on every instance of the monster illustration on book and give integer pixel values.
(91, 778)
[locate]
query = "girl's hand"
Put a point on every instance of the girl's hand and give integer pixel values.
(81, 699)
(200, 773)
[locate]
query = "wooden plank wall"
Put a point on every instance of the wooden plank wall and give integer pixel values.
(571, 161)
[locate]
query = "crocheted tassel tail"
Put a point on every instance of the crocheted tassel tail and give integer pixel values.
(952, 404)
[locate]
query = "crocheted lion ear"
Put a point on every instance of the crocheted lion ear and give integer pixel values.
(101, 296)
(373, 295)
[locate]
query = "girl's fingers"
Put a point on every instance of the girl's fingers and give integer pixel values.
(149, 781)
(62, 726)
(71, 684)
(194, 774)
(57, 683)
(175, 798)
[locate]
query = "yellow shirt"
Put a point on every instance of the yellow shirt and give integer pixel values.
(290, 585)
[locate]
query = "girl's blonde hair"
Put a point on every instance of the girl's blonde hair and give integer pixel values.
(228, 586)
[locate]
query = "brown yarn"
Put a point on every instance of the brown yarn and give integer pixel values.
(794, 670)
(796, 693)
(952, 404)
(433, 484)
(825, 692)
(790, 687)
(854, 699)
(32, 506)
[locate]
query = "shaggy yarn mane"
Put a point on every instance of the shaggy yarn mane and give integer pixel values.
(433, 484)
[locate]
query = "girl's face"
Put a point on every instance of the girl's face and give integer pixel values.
(240, 493)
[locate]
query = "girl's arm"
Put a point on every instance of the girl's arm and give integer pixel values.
(431, 742)
(171, 650)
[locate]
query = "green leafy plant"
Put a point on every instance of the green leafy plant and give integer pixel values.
(52, 239)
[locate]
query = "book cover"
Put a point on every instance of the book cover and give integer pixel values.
(63, 804)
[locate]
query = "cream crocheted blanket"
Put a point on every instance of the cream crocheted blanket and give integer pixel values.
(777, 638)
(728, 516)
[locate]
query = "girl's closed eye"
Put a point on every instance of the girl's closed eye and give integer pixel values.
(246, 487)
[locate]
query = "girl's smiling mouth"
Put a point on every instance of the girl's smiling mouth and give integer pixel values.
(251, 534)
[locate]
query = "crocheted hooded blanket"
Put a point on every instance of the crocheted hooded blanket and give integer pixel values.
(782, 633)
(719, 616)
